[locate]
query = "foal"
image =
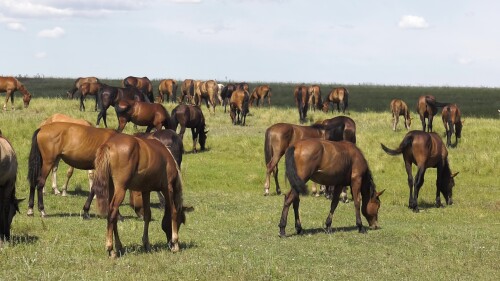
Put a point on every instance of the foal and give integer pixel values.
(452, 123)
(399, 107)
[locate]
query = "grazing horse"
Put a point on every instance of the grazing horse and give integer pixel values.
(226, 93)
(167, 87)
(339, 96)
(58, 117)
(280, 136)
(206, 91)
(427, 107)
(143, 84)
(301, 95)
(334, 164)
(9, 204)
(109, 96)
(152, 115)
(399, 107)
(315, 101)
(89, 88)
(426, 150)
(238, 105)
(260, 93)
(9, 85)
(190, 116)
(75, 144)
(452, 123)
(243, 86)
(187, 90)
(143, 165)
(77, 84)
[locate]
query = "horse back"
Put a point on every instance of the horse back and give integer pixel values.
(8, 84)
(427, 149)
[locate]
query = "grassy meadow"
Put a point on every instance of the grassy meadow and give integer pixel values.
(233, 232)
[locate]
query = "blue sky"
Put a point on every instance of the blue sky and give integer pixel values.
(390, 42)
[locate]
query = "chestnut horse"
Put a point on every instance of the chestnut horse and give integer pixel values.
(167, 87)
(452, 123)
(190, 116)
(427, 107)
(301, 97)
(89, 88)
(143, 165)
(152, 115)
(315, 101)
(77, 84)
(339, 96)
(280, 136)
(187, 91)
(109, 96)
(335, 164)
(399, 107)
(426, 150)
(206, 91)
(238, 105)
(9, 85)
(9, 204)
(143, 84)
(260, 93)
(226, 93)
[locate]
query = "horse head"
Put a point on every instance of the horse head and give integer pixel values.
(371, 210)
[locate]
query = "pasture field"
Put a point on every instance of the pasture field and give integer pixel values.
(233, 232)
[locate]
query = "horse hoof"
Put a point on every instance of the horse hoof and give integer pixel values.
(416, 210)
(56, 191)
(43, 213)
(86, 216)
(30, 212)
(64, 194)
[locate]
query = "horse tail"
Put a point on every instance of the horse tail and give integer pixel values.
(291, 172)
(268, 149)
(346, 98)
(407, 142)
(101, 175)
(435, 103)
(35, 161)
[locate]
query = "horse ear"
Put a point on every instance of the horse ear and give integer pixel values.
(455, 174)
(380, 193)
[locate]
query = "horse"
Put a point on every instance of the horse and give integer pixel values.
(219, 92)
(452, 122)
(334, 164)
(206, 91)
(301, 96)
(260, 93)
(226, 93)
(280, 136)
(143, 84)
(167, 87)
(9, 204)
(152, 115)
(89, 88)
(58, 117)
(9, 85)
(144, 165)
(75, 144)
(427, 107)
(109, 96)
(243, 86)
(399, 107)
(238, 105)
(77, 84)
(339, 96)
(315, 101)
(190, 116)
(187, 90)
(425, 150)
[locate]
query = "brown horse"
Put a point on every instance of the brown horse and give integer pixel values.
(452, 123)
(187, 91)
(144, 165)
(243, 86)
(259, 94)
(9, 85)
(77, 84)
(315, 101)
(75, 144)
(143, 84)
(339, 96)
(280, 136)
(206, 91)
(89, 88)
(399, 107)
(238, 105)
(190, 116)
(427, 107)
(334, 164)
(426, 150)
(152, 115)
(9, 204)
(301, 97)
(109, 96)
(167, 87)
(226, 93)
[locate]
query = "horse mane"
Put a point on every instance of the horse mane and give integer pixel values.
(368, 180)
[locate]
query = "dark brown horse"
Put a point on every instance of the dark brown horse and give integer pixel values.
(399, 107)
(143, 165)
(259, 94)
(226, 93)
(339, 96)
(109, 96)
(301, 97)
(280, 136)
(143, 84)
(238, 105)
(206, 91)
(190, 116)
(334, 164)
(427, 107)
(86, 89)
(452, 123)
(167, 87)
(315, 101)
(77, 84)
(426, 150)
(152, 115)
(9, 85)
(187, 91)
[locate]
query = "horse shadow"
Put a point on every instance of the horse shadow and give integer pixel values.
(322, 230)
(23, 239)
(138, 249)
(197, 152)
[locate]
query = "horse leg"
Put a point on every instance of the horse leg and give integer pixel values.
(356, 194)
(147, 219)
(422, 119)
(69, 174)
(333, 206)
(7, 95)
(429, 126)
(271, 167)
(86, 206)
(54, 179)
(46, 168)
(343, 195)
(90, 176)
(183, 130)
(395, 121)
(194, 132)
(298, 225)
(410, 182)
(439, 183)
(112, 228)
(82, 100)
(419, 181)
(166, 222)
(95, 108)
(289, 198)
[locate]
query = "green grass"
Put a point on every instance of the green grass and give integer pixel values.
(233, 232)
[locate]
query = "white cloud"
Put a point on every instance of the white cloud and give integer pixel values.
(40, 55)
(56, 32)
(186, 1)
(16, 26)
(464, 61)
(412, 22)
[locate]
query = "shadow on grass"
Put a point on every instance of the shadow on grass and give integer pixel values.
(23, 239)
(157, 247)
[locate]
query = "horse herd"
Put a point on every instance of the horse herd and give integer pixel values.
(324, 152)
